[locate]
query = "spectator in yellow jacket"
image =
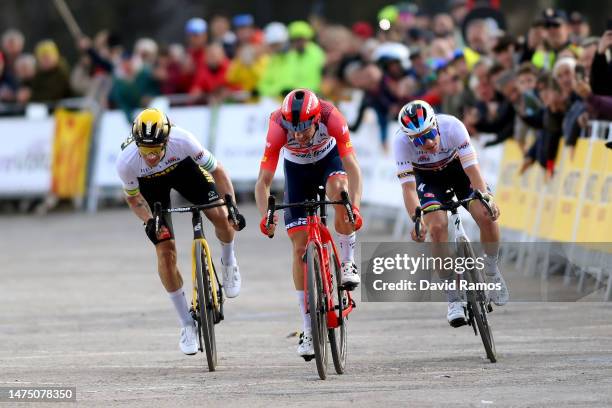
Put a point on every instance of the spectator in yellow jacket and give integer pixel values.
(246, 69)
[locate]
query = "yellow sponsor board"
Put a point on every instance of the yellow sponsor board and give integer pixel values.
(509, 185)
(587, 224)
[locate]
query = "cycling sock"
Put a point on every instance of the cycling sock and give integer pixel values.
(180, 304)
(452, 295)
(227, 253)
(347, 247)
(305, 316)
(490, 262)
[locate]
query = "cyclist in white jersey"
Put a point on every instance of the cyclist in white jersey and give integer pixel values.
(156, 158)
(435, 161)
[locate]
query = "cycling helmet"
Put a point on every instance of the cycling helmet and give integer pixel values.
(300, 109)
(416, 118)
(151, 127)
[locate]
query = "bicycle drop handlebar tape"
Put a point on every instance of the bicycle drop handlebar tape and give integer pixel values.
(157, 210)
(348, 206)
(417, 221)
(480, 196)
(270, 213)
(233, 214)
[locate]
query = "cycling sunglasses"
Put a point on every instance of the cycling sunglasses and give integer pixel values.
(429, 135)
(147, 150)
(300, 127)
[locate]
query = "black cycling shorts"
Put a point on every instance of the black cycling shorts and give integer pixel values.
(302, 182)
(438, 187)
(187, 178)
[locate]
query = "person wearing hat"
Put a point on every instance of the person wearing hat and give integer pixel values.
(276, 78)
(196, 31)
(305, 58)
(246, 32)
(52, 79)
(557, 38)
(579, 28)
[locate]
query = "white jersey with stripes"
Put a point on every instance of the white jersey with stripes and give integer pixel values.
(454, 143)
(181, 145)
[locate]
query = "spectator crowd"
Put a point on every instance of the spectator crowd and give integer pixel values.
(551, 79)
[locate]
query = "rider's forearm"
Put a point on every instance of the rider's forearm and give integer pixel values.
(262, 191)
(354, 180)
(411, 199)
(224, 184)
(476, 179)
(139, 206)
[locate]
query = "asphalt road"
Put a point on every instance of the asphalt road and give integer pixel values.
(81, 305)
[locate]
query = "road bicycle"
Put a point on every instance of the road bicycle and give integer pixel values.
(207, 298)
(327, 301)
(477, 301)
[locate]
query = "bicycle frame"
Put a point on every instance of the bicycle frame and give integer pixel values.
(320, 235)
(198, 235)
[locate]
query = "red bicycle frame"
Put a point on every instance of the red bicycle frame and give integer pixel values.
(319, 234)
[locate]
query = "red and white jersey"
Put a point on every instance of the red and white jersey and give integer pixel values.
(181, 145)
(332, 131)
(454, 143)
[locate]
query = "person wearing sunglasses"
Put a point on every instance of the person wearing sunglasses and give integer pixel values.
(316, 145)
(159, 156)
(436, 161)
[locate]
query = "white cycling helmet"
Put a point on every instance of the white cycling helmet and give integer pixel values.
(416, 117)
(393, 51)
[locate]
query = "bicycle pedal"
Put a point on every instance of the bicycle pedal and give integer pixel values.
(308, 358)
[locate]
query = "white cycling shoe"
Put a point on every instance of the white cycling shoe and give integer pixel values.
(349, 278)
(456, 314)
(231, 280)
(305, 348)
(189, 340)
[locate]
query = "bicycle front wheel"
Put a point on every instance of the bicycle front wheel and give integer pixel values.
(205, 306)
(477, 300)
(317, 308)
(338, 335)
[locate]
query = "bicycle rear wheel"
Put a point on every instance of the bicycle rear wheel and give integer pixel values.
(205, 307)
(477, 300)
(317, 309)
(338, 336)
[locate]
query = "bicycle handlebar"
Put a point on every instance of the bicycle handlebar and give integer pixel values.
(233, 214)
(449, 206)
(272, 207)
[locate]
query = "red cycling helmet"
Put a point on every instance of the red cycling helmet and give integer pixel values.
(300, 109)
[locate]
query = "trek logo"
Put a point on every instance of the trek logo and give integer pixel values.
(421, 187)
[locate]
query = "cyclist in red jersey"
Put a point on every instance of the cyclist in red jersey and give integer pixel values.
(317, 151)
